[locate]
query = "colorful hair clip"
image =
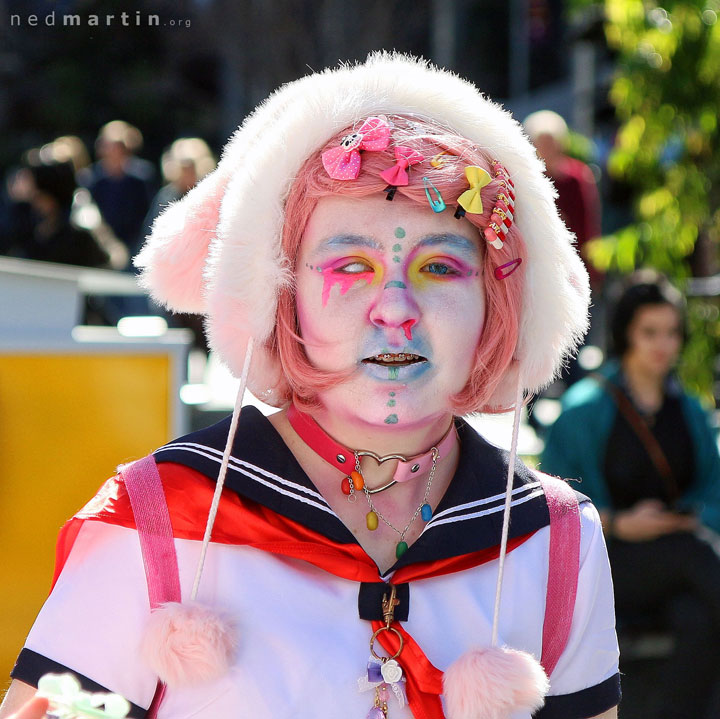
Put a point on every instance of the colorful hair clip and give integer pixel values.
(437, 160)
(437, 205)
(494, 235)
(343, 162)
(470, 200)
(507, 269)
(405, 157)
(501, 218)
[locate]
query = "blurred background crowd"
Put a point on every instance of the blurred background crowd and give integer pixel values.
(105, 120)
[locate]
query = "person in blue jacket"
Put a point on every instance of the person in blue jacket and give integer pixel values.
(645, 453)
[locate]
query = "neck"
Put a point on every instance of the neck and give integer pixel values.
(408, 440)
(646, 386)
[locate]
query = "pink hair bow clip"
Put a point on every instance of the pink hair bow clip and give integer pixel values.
(397, 175)
(343, 162)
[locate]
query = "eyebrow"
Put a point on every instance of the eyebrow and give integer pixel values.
(348, 241)
(458, 242)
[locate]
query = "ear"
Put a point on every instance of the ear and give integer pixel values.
(172, 261)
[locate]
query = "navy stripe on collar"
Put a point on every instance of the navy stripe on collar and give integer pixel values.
(467, 519)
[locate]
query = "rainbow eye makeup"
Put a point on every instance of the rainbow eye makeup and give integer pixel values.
(346, 272)
(429, 267)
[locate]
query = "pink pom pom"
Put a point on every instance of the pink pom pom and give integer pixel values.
(188, 643)
(494, 683)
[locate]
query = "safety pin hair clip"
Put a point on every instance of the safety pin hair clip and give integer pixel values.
(438, 204)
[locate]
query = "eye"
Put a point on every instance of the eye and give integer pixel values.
(355, 267)
(439, 268)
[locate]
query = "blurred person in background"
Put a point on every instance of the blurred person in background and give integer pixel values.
(121, 183)
(646, 455)
(85, 213)
(183, 165)
(187, 161)
(578, 200)
(43, 228)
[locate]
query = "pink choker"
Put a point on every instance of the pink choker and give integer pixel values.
(343, 459)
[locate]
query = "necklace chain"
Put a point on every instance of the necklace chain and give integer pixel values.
(379, 514)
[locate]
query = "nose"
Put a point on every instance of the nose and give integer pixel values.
(395, 311)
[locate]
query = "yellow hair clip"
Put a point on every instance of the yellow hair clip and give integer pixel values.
(437, 161)
(470, 200)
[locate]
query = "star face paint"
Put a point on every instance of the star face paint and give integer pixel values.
(409, 297)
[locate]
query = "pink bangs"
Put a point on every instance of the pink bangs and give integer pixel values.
(503, 298)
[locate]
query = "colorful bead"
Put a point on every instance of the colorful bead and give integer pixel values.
(401, 548)
(426, 512)
(345, 485)
(357, 480)
(376, 713)
(371, 520)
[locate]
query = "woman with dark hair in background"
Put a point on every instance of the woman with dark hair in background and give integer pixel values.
(647, 457)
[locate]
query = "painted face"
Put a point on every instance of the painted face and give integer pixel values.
(393, 292)
(654, 339)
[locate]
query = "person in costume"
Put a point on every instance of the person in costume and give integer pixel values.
(376, 254)
(648, 458)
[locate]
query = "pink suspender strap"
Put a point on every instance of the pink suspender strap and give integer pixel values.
(152, 519)
(563, 569)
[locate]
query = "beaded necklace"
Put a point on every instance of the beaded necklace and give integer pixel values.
(424, 509)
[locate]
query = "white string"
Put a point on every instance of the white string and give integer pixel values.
(223, 468)
(506, 510)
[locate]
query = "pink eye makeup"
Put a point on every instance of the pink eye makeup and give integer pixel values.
(346, 272)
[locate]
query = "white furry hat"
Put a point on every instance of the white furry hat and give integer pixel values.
(218, 252)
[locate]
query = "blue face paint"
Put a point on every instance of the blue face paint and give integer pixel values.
(395, 283)
(391, 419)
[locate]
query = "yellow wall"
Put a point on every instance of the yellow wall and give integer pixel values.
(66, 422)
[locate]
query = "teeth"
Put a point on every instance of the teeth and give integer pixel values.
(400, 357)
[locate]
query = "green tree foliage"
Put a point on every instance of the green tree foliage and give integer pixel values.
(667, 97)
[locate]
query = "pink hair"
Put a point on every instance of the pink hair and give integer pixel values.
(503, 298)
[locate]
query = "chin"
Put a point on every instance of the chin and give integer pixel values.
(374, 406)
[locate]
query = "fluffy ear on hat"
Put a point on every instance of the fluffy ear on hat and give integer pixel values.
(173, 258)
